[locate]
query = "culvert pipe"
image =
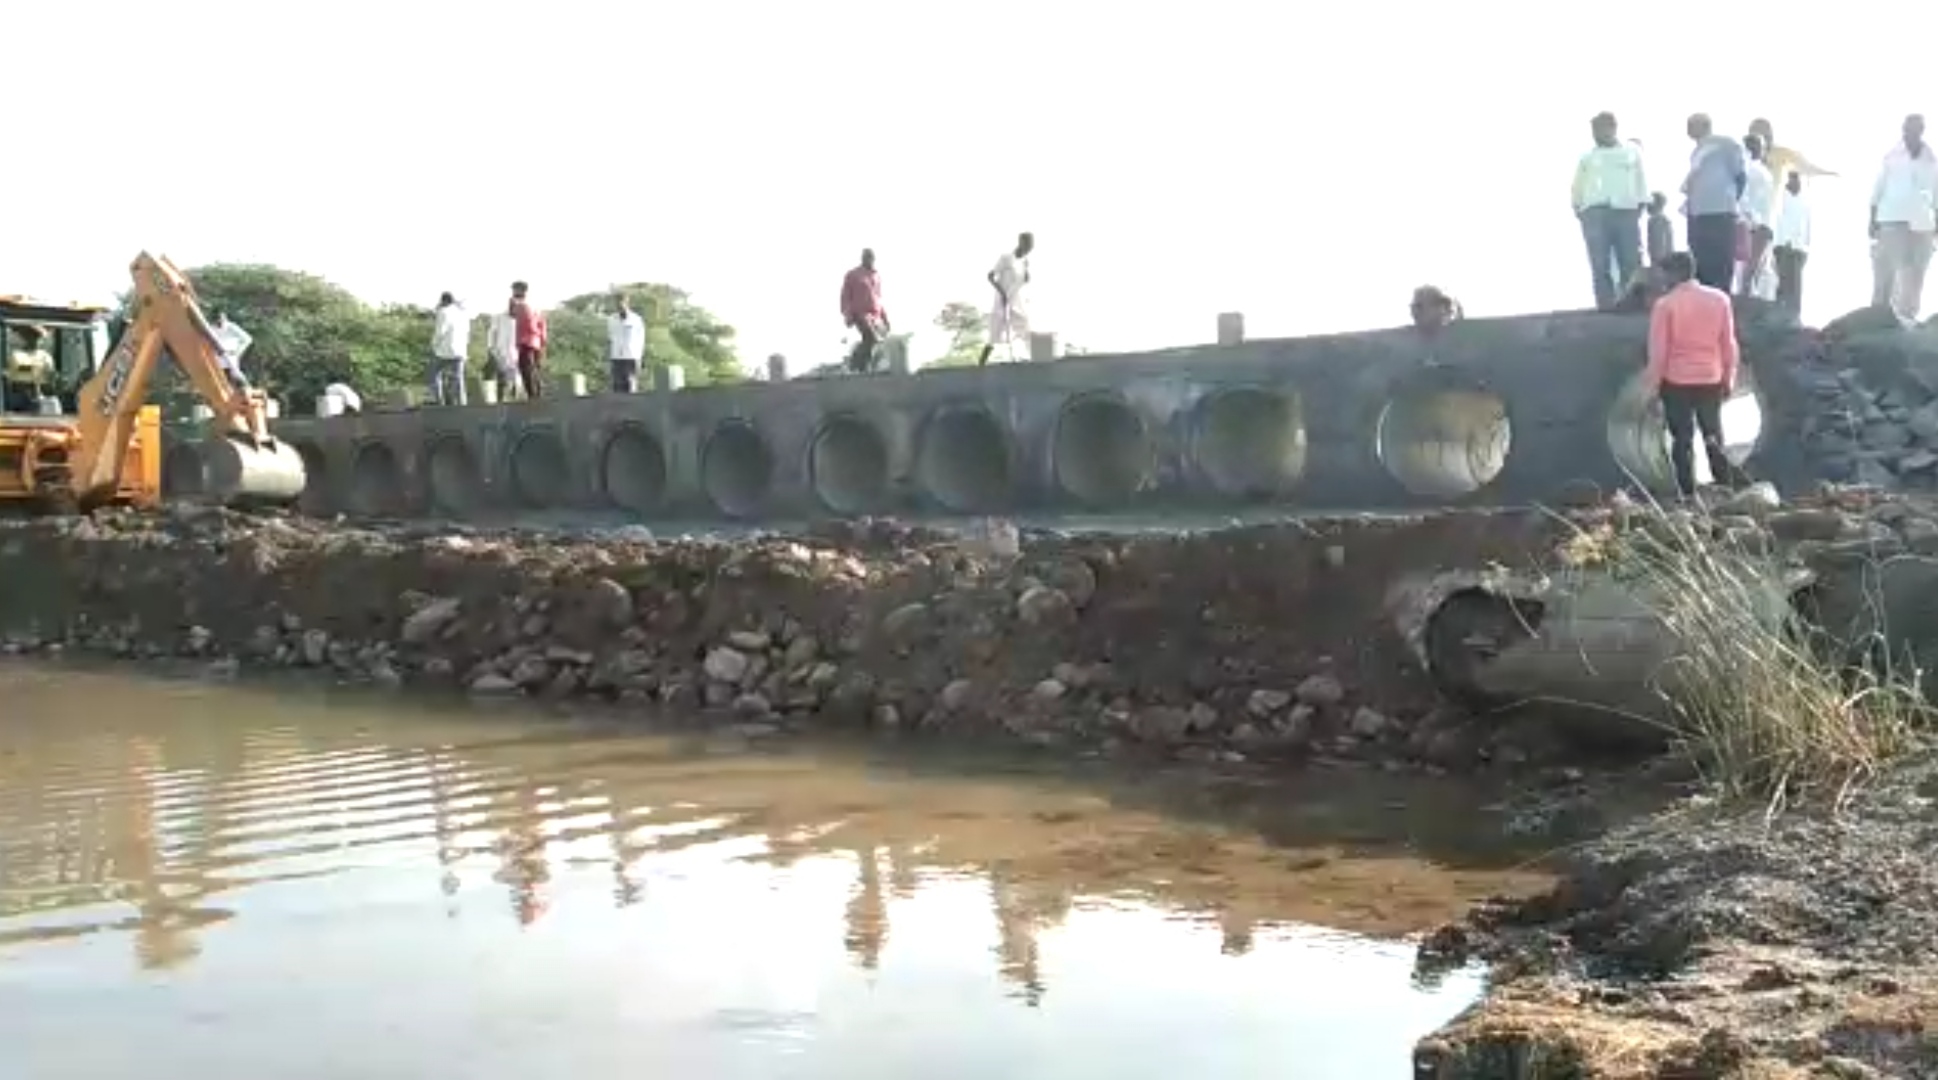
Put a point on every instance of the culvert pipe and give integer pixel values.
(1638, 439)
(541, 477)
(1100, 453)
(848, 466)
(317, 480)
(1443, 442)
(376, 486)
(632, 471)
(452, 477)
(737, 469)
(1250, 442)
(962, 460)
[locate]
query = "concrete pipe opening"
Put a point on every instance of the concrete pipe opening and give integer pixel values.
(540, 476)
(1251, 442)
(316, 479)
(1443, 442)
(455, 484)
(1101, 453)
(736, 469)
(184, 472)
(962, 461)
(848, 466)
(376, 481)
(1639, 439)
(632, 471)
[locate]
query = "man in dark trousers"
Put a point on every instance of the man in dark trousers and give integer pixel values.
(1693, 360)
(1713, 193)
(1792, 239)
(530, 328)
(862, 310)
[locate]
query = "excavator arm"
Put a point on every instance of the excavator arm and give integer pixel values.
(239, 461)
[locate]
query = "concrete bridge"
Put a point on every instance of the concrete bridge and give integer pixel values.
(1509, 411)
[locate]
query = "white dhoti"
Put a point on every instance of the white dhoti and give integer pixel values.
(1008, 325)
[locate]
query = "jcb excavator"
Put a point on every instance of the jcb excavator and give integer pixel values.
(76, 431)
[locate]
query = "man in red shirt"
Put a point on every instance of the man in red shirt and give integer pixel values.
(530, 323)
(862, 310)
(1693, 361)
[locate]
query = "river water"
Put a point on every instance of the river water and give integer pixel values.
(237, 882)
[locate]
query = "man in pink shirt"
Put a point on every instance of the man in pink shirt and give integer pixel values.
(862, 310)
(1693, 360)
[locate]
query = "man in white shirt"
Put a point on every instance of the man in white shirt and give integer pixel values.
(1757, 206)
(1007, 323)
(501, 347)
(450, 338)
(1791, 237)
(625, 347)
(1609, 196)
(1904, 214)
(232, 341)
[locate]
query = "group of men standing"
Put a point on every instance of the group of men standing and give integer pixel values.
(1742, 234)
(1745, 230)
(516, 343)
(863, 311)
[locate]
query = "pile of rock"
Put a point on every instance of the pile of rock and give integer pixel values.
(1258, 643)
(1869, 401)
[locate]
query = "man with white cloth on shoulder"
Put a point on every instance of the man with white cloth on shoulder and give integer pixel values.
(232, 341)
(1007, 323)
(625, 346)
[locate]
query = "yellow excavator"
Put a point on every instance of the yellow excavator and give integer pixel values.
(76, 431)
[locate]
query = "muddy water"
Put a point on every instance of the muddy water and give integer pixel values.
(219, 882)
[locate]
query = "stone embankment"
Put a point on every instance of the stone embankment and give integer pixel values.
(1262, 643)
(1866, 389)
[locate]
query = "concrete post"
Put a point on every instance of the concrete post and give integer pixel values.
(578, 384)
(777, 368)
(1042, 348)
(669, 378)
(1231, 328)
(895, 351)
(488, 391)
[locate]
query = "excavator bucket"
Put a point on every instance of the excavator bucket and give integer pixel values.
(234, 471)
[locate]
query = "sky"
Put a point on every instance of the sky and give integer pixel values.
(1174, 161)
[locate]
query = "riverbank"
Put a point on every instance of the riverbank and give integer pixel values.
(1703, 939)
(1272, 643)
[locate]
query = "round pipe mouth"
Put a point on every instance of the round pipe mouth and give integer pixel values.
(633, 472)
(1638, 439)
(848, 466)
(1251, 442)
(541, 477)
(962, 460)
(453, 479)
(315, 499)
(1443, 442)
(1101, 452)
(737, 469)
(376, 481)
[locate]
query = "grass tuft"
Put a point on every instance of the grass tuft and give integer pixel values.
(1763, 708)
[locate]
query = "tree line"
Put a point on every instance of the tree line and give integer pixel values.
(309, 333)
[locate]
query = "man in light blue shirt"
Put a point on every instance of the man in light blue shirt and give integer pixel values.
(1713, 197)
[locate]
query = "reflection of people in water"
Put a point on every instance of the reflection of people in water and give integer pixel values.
(525, 868)
(867, 917)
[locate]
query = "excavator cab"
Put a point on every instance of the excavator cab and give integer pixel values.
(47, 352)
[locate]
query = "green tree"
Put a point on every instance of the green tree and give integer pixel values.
(308, 333)
(968, 331)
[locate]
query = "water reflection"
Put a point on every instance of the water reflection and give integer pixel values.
(271, 857)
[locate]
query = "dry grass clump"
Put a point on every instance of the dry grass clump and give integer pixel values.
(1763, 707)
